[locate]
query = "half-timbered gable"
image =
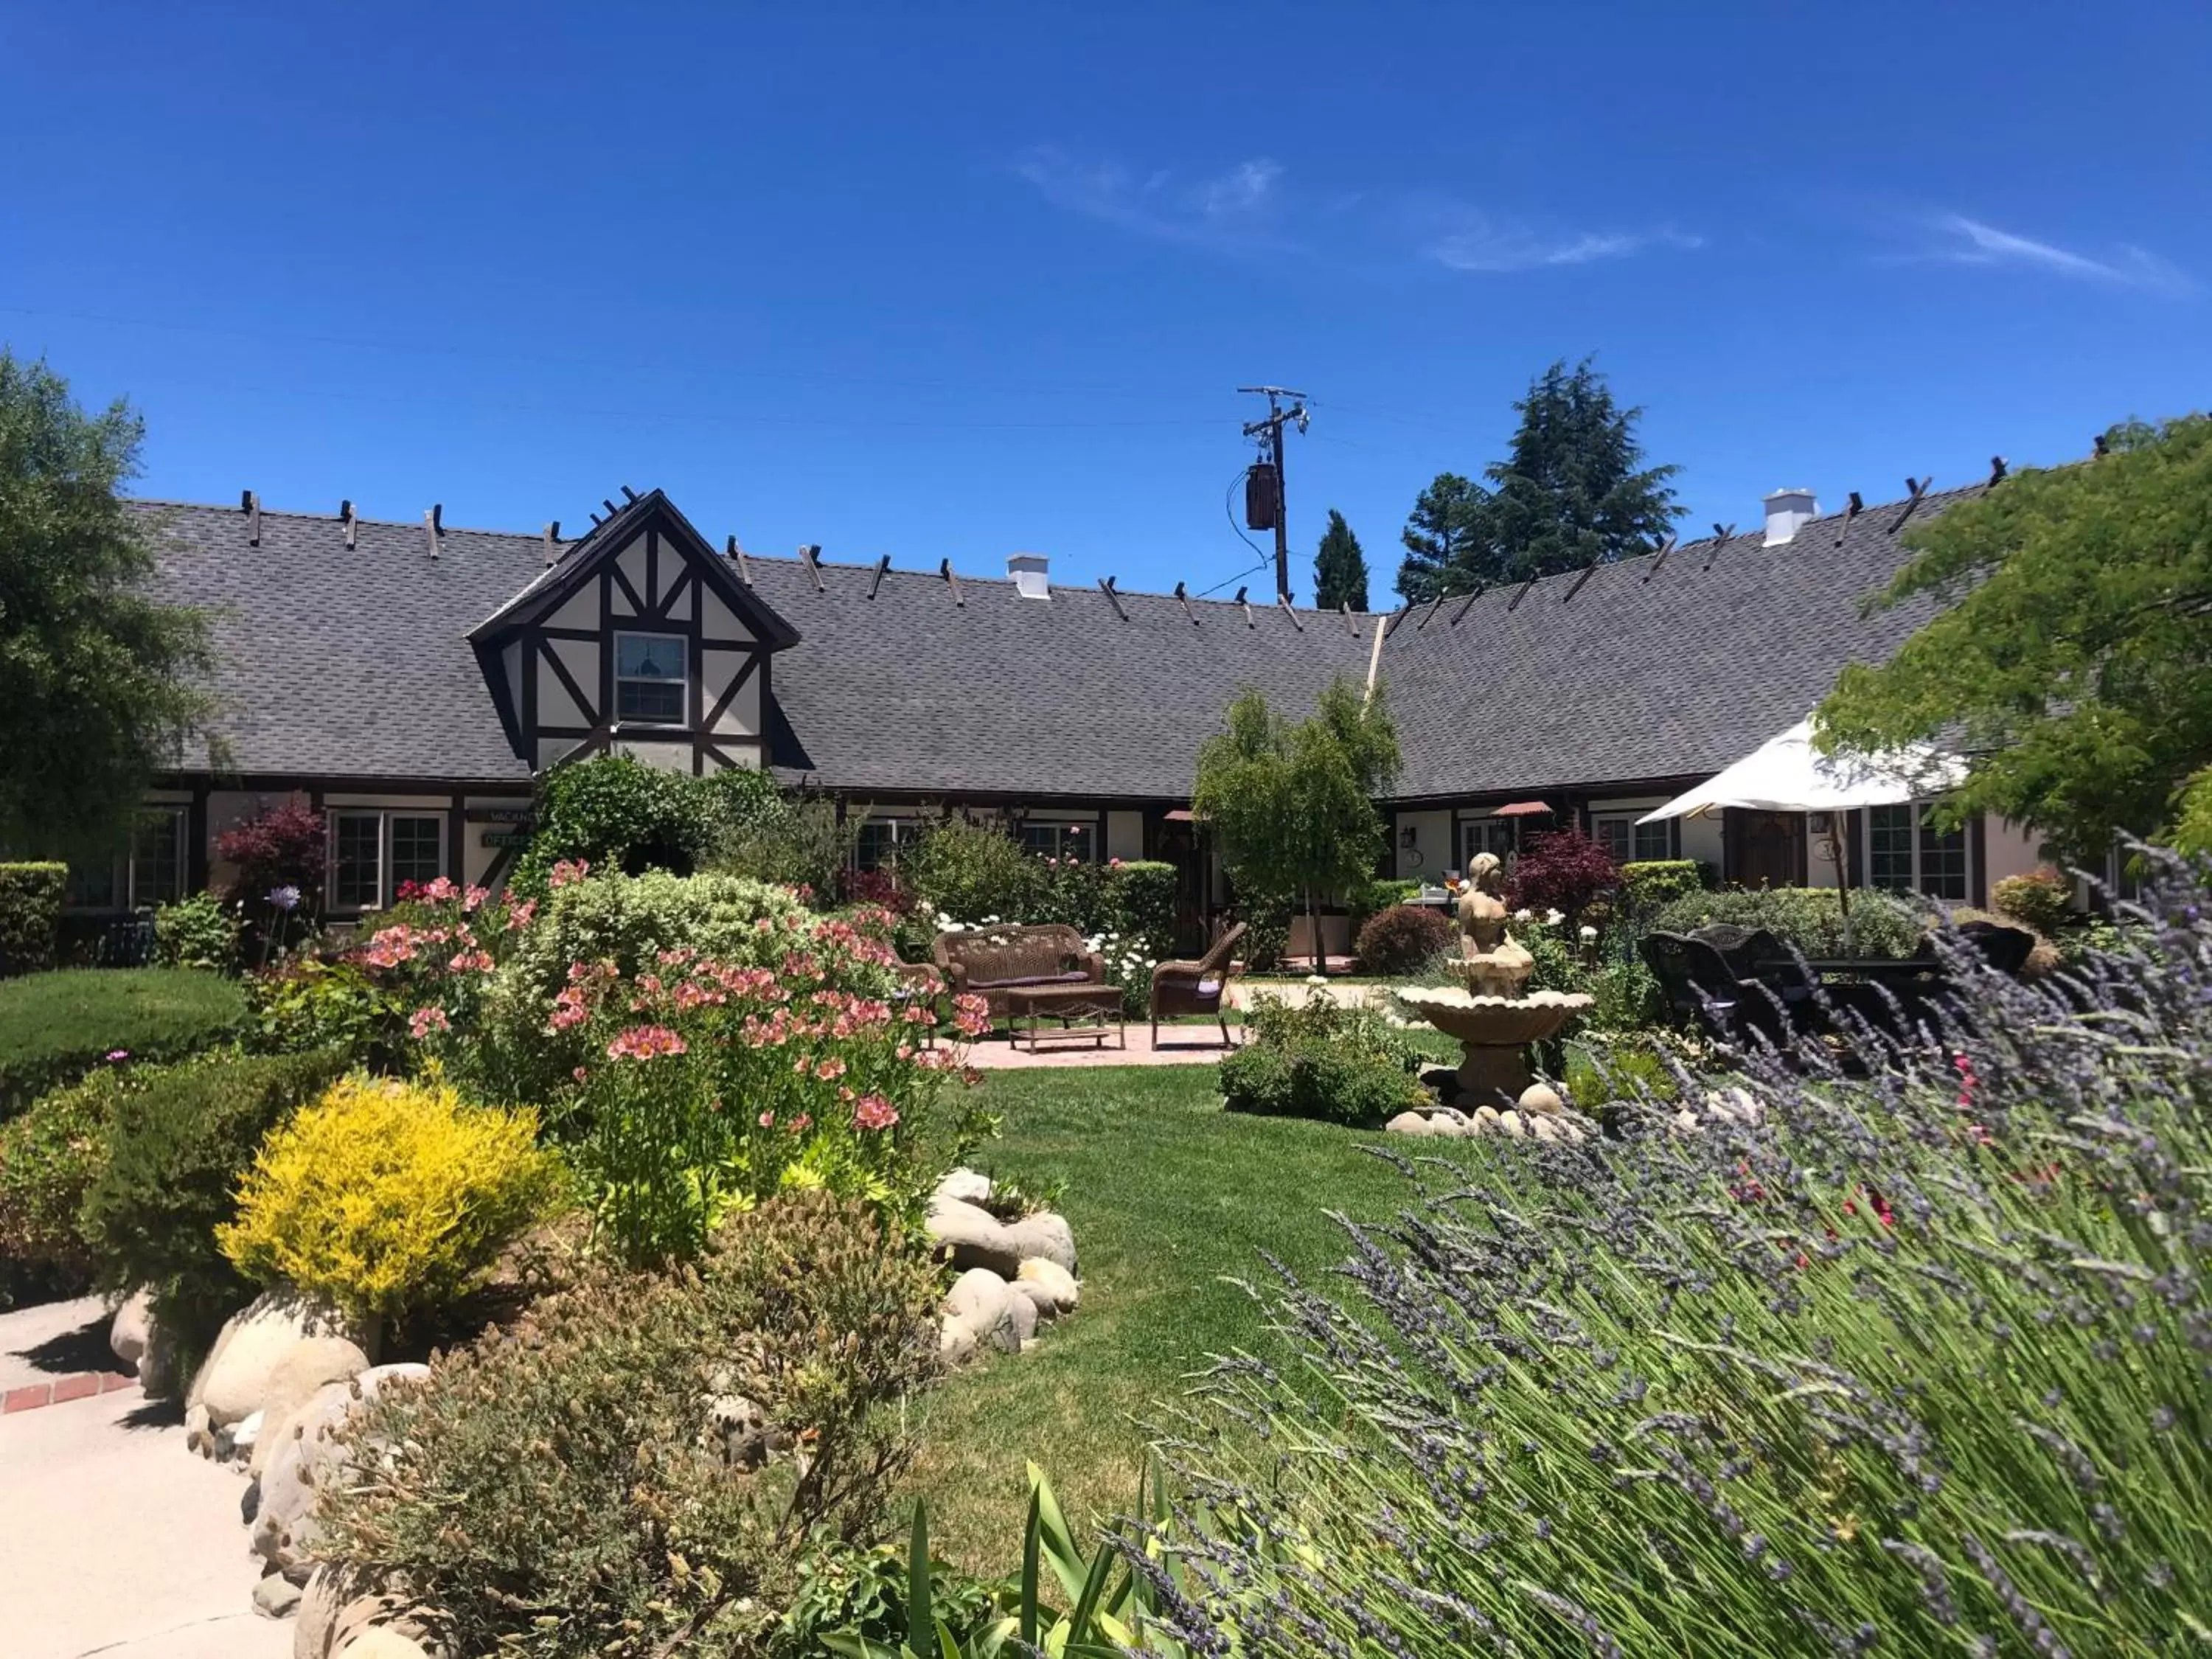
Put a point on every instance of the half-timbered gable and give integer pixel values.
(637, 641)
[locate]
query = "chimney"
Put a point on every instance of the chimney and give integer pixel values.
(1788, 511)
(1028, 572)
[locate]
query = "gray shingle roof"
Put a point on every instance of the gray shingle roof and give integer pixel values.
(356, 663)
(1643, 673)
(348, 663)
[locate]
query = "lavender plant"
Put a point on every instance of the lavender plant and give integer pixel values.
(1912, 1358)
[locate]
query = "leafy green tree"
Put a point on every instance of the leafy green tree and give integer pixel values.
(1339, 567)
(101, 686)
(2074, 663)
(1447, 540)
(1574, 490)
(1292, 808)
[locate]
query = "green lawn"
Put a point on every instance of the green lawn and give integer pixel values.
(1170, 1197)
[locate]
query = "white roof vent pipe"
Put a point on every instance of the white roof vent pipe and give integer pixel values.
(1028, 572)
(1788, 511)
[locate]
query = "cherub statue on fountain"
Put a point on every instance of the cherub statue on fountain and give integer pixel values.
(1491, 963)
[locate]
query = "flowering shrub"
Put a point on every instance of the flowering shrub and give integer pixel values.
(49, 1158)
(387, 1198)
(708, 1085)
(284, 848)
(2041, 901)
(1808, 918)
(197, 931)
(1902, 1351)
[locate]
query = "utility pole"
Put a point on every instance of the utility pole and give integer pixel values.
(1272, 428)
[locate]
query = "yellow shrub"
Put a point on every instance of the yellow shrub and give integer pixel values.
(388, 1197)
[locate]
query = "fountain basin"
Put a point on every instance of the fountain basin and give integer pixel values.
(1494, 1033)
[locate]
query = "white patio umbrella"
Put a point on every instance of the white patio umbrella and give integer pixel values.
(1783, 775)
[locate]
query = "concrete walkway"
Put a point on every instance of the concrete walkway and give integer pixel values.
(118, 1541)
(1179, 1045)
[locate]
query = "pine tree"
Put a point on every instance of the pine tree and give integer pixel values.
(1573, 491)
(1447, 540)
(1339, 567)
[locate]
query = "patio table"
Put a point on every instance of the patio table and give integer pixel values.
(1092, 1004)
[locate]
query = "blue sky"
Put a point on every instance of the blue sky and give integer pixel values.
(961, 280)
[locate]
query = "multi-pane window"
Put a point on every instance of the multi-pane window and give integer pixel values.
(649, 679)
(1906, 854)
(1631, 842)
(357, 861)
(1058, 839)
(1485, 835)
(417, 852)
(879, 840)
(153, 871)
(157, 858)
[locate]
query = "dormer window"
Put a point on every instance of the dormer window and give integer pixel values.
(649, 679)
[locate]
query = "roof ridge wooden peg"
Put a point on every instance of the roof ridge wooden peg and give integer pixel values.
(736, 555)
(1460, 615)
(552, 541)
(876, 581)
(350, 520)
(1290, 611)
(1659, 564)
(435, 522)
(1351, 616)
(1182, 592)
(250, 504)
(1851, 511)
(1589, 570)
(1247, 603)
(1106, 586)
(1723, 534)
(1514, 604)
(1428, 616)
(1919, 488)
(944, 569)
(810, 555)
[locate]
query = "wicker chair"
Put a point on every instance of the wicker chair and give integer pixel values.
(1196, 987)
(989, 962)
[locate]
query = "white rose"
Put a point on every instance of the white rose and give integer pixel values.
(1552, 918)
(1524, 915)
(1588, 931)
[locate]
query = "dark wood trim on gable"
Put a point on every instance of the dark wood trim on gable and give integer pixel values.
(585, 705)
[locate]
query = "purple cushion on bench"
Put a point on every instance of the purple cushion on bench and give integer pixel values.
(1077, 977)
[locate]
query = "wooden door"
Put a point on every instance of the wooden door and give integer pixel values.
(1765, 849)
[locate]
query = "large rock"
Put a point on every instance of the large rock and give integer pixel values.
(969, 1235)
(304, 1455)
(344, 1604)
(133, 1329)
(1050, 1285)
(956, 1343)
(1025, 1318)
(1410, 1123)
(965, 1187)
(980, 1300)
(235, 1379)
(381, 1641)
(1541, 1099)
(305, 1368)
(1045, 1234)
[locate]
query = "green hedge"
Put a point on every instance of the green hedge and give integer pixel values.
(1650, 883)
(54, 1028)
(30, 916)
(179, 1137)
(1881, 924)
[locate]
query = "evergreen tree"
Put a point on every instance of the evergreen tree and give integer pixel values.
(1447, 540)
(101, 687)
(1574, 490)
(1339, 567)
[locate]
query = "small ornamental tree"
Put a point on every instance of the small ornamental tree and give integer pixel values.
(1563, 870)
(283, 850)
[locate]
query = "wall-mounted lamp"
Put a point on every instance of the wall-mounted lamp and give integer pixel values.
(1409, 837)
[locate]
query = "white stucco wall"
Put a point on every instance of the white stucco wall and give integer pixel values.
(2010, 849)
(1125, 836)
(1430, 855)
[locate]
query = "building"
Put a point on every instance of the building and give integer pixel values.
(410, 680)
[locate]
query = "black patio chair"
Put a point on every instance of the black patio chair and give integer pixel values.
(1694, 978)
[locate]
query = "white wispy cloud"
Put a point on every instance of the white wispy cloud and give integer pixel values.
(1966, 241)
(1476, 242)
(1237, 206)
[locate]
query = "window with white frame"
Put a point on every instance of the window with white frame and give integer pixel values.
(1631, 842)
(153, 871)
(1907, 853)
(375, 855)
(1485, 835)
(649, 679)
(1061, 838)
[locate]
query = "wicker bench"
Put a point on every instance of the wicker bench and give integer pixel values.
(989, 962)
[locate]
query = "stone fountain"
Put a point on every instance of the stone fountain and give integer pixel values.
(1490, 1010)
